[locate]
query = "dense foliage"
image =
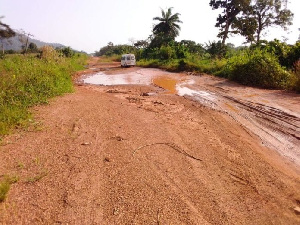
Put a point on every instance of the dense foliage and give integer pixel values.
(112, 49)
(265, 64)
(257, 67)
(27, 80)
(250, 18)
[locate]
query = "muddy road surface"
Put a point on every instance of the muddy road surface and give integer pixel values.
(144, 146)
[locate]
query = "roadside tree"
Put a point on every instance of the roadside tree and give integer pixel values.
(5, 33)
(167, 28)
(32, 47)
(231, 8)
(269, 13)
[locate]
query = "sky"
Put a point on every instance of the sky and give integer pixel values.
(88, 25)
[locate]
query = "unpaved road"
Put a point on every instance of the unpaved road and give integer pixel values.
(118, 155)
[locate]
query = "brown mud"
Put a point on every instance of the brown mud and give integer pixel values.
(140, 154)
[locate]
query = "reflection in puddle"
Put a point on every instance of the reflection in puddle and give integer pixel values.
(182, 90)
(118, 79)
(168, 81)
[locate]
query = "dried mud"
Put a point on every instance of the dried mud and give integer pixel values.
(136, 154)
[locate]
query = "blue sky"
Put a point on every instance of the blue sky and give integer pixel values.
(90, 24)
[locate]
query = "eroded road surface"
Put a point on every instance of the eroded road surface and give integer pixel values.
(144, 146)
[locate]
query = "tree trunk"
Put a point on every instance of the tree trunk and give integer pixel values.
(226, 28)
(259, 29)
(2, 46)
(225, 33)
(26, 45)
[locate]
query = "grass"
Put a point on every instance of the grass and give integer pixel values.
(39, 176)
(5, 186)
(26, 81)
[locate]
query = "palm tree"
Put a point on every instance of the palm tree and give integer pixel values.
(168, 26)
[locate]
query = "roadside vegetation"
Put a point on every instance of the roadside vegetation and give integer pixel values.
(272, 64)
(31, 79)
(5, 184)
(38, 74)
(267, 64)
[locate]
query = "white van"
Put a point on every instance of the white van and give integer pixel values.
(128, 60)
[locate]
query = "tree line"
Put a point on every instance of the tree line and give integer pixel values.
(248, 18)
(269, 64)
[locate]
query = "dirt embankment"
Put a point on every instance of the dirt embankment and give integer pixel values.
(116, 155)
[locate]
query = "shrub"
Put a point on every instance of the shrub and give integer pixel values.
(155, 63)
(49, 53)
(293, 56)
(297, 76)
(67, 52)
(258, 68)
(166, 52)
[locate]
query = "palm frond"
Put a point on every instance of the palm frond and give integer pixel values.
(168, 23)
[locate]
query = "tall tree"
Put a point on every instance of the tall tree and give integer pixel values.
(246, 25)
(32, 47)
(5, 33)
(269, 13)
(231, 8)
(168, 27)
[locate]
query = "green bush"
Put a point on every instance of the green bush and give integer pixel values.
(296, 85)
(258, 68)
(166, 52)
(111, 49)
(293, 56)
(67, 52)
(287, 54)
(154, 63)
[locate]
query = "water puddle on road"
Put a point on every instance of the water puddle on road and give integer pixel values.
(276, 128)
(166, 83)
(172, 83)
(118, 79)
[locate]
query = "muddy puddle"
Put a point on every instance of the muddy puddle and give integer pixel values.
(172, 83)
(133, 78)
(273, 117)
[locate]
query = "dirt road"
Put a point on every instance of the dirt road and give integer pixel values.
(140, 154)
